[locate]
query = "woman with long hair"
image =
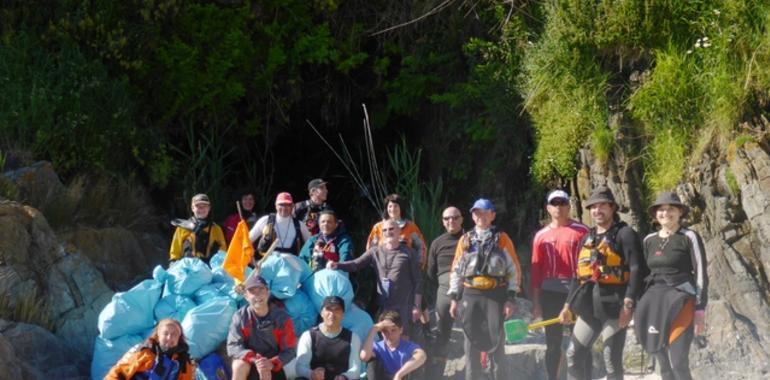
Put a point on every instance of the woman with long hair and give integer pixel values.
(163, 355)
(395, 207)
(672, 309)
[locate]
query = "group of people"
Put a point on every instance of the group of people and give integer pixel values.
(594, 279)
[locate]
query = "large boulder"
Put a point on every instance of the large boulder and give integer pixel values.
(44, 355)
(34, 266)
(75, 295)
(117, 252)
(28, 248)
(10, 365)
(36, 185)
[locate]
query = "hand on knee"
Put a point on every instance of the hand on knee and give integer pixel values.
(241, 369)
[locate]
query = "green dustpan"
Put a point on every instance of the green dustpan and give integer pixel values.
(517, 329)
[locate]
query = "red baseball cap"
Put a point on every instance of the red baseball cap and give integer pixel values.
(284, 198)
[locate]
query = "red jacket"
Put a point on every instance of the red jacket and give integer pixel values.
(554, 252)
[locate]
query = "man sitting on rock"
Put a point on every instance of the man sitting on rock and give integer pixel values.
(260, 337)
(392, 358)
(329, 351)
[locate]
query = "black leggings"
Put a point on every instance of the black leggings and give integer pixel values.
(482, 319)
(675, 359)
(444, 321)
(585, 332)
(552, 303)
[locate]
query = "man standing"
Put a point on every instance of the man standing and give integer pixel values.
(330, 244)
(329, 351)
(260, 337)
(440, 256)
(308, 211)
(198, 236)
(554, 261)
(291, 234)
(609, 277)
(392, 358)
(398, 273)
(486, 277)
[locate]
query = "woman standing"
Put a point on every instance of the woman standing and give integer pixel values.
(672, 309)
(410, 233)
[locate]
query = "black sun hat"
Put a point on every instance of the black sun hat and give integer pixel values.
(668, 198)
(600, 194)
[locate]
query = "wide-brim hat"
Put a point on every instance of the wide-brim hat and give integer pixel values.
(600, 194)
(667, 198)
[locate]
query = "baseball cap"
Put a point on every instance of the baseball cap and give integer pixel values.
(315, 183)
(332, 301)
(254, 281)
(557, 194)
(284, 198)
(200, 198)
(483, 204)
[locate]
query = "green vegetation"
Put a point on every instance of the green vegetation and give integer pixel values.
(27, 309)
(701, 67)
(425, 198)
(208, 96)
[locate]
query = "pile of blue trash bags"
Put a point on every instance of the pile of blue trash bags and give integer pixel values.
(203, 299)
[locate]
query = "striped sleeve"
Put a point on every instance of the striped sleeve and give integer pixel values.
(699, 265)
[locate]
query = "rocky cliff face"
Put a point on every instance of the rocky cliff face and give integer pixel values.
(70, 275)
(728, 190)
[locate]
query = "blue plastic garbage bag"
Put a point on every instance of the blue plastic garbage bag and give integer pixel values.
(357, 321)
(327, 282)
(212, 367)
(205, 326)
(130, 312)
(108, 352)
(217, 260)
(302, 314)
(207, 292)
(284, 273)
(187, 275)
(173, 306)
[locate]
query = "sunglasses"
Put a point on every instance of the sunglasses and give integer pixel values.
(451, 217)
(559, 202)
(388, 229)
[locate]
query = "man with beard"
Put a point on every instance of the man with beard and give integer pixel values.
(609, 271)
(198, 236)
(330, 244)
(261, 338)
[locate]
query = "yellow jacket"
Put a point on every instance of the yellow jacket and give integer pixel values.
(183, 243)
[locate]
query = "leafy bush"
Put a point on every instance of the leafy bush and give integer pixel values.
(66, 108)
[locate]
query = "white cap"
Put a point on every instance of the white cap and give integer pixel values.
(557, 194)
